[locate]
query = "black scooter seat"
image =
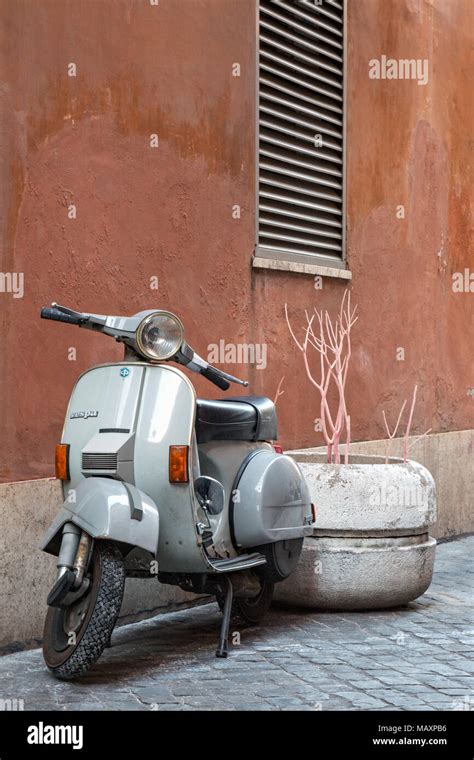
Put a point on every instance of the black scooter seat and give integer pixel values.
(237, 418)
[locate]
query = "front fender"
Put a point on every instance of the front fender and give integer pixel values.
(108, 509)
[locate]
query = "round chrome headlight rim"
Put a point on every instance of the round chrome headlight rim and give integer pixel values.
(146, 321)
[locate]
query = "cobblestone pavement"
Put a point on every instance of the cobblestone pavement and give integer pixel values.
(416, 657)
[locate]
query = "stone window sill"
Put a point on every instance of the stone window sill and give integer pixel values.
(258, 262)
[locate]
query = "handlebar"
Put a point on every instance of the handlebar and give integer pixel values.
(215, 377)
(60, 316)
(124, 329)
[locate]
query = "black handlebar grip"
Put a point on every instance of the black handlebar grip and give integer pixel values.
(215, 377)
(60, 316)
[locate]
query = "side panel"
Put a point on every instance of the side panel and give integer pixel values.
(166, 418)
(104, 399)
(122, 419)
(221, 460)
(273, 502)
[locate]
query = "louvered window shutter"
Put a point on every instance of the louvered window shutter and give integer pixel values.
(301, 131)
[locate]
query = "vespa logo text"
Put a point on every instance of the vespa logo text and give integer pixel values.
(84, 415)
(42, 734)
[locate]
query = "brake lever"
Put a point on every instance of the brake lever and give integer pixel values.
(98, 319)
(66, 310)
(231, 378)
(187, 356)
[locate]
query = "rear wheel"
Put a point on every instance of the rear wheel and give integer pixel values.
(75, 637)
(249, 610)
(282, 558)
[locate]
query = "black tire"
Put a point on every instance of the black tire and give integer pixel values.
(101, 605)
(282, 558)
(250, 611)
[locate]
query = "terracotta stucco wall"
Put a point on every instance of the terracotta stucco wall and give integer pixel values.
(167, 211)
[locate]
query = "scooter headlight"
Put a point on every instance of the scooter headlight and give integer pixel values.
(160, 335)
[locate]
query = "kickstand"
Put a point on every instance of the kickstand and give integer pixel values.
(224, 635)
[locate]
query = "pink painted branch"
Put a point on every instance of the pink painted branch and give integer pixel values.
(406, 445)
(332, 342)
(321, 347)
(419, 438)
(348, 438)
(279, 392)
(324, 404)
(352, 319)
(337, 346)
(410, 418)
(336, 336)
(291, 329)
(322, 387)
(392, 435)
(329, 456)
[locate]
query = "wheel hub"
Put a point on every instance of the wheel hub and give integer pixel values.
(75, 614)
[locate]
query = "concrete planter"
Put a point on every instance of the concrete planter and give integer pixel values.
(371, 546)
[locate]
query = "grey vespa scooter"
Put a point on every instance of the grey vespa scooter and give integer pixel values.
(157, 483)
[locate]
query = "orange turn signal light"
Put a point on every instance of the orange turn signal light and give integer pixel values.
(178, 469)
(61, 461)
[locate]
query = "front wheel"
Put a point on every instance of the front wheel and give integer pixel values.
(75, 636)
